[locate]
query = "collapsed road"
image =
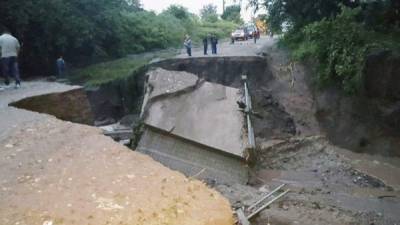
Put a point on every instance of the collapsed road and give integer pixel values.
(58, 172)
(329, 184)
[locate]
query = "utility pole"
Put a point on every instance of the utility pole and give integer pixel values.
(223, 6)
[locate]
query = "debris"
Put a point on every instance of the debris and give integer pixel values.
(265, 197)
(259, 205)
(242, 219)
(9, 146)
(199, 173)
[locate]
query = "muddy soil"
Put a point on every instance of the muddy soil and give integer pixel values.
(324, 183)
(325, 187)
(329, 185)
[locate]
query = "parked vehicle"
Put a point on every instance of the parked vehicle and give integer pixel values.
(240, 34)
(252, 30)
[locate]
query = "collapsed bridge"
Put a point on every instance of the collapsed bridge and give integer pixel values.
(194, 126)
(188, 108)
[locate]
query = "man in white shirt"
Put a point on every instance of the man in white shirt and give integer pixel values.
(9, 53)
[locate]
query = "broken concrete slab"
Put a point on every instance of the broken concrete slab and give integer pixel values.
(169, 82)
(192, 158)
(194, 126)
(118, 131)
(207, 114)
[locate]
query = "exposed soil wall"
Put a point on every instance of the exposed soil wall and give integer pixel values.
(369, 122)
(69, 106)
(223, 70)
(113, 100)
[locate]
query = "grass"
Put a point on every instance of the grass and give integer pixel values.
(97, 74)
(101, 73)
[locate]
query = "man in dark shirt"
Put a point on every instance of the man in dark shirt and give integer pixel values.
(205, 44)
(214, 42)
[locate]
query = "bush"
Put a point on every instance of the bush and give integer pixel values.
(150, 32)
(339, 45)
(92, 31)
(221, 29)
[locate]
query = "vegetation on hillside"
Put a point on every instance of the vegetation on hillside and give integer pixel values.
(209, 13)
(337, 34)
(104, 72)
(232, 13)
(92, 31)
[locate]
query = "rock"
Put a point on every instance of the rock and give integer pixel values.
(315, 205)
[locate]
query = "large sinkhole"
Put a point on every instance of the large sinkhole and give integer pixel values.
(121, 101)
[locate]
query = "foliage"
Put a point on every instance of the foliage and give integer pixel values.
(220, 28)
(90, 31)
(151, 32)
(340, 45)
(209, 13)
(100, 73)
(298, 13)
(232, 13)
(81, 30)
(178, 11)
(338, 34)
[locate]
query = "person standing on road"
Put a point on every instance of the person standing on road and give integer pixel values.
(214, 42)
(188, 44)
(9, 52)
(205, 44)
(60, 67)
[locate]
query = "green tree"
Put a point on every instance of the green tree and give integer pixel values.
(209, 13)
(82, 30)
(178, 11)
(299, 13)
(89, 31)
(232, 13)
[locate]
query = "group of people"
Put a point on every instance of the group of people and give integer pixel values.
(10, 48)
(212, 39)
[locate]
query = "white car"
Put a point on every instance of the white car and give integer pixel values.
(239, 34)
